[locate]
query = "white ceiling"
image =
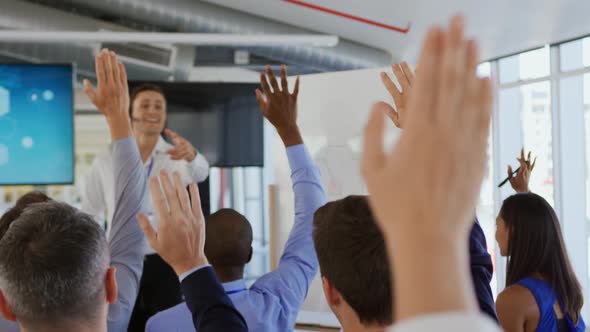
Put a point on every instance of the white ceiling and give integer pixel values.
(502, 26)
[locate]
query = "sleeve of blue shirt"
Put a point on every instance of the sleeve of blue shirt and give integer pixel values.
(211, 308)
(126, 240)
(298, 265)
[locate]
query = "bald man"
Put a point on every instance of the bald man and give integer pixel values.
(228, 244)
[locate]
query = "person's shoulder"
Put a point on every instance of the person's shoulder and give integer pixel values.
(516, 302)
(163, 320)
(516, 295)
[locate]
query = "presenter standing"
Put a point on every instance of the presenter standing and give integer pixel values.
(159, 287)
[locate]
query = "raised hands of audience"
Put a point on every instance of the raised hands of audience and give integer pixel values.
(405, 77)
(520, 180)
(183, 149)
(424, 191)
(111, 96)
(180, 235)
(279, 106)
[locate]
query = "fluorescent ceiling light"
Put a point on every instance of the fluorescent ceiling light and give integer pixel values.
(204, 39)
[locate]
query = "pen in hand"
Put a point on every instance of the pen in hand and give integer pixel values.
(508, 178)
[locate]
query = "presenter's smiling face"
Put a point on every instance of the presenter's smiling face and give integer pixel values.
(149, 113)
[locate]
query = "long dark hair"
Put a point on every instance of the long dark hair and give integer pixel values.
(535, 245)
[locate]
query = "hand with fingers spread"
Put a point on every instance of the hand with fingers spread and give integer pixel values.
(180, 235)
(405, 77)
(111, 96)
(425, 190)
(279, 106)
(520, 181)
(183, 149)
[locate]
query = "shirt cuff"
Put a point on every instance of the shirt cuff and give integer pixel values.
(450, 321)
(191, 271)
(299, 157)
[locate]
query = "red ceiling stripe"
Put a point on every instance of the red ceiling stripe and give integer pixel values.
(348, 16)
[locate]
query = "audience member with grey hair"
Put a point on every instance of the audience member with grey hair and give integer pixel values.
(53, 260)
(57, 270)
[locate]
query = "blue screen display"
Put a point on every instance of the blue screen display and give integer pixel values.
(36, 124)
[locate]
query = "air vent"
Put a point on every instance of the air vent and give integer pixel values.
(143, 54)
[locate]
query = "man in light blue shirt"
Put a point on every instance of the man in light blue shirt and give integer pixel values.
(273, 301)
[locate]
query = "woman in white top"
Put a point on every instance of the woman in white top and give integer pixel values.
(159, 288)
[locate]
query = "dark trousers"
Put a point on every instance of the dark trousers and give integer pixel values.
(159, 290)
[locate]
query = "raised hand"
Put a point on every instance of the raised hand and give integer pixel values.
(112, 94)
(424, 191)
(279, 106)
(183, 149)
(520, 181)
(405, 77)
(180, 235)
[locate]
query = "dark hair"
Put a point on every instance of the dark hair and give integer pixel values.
(352, 256)
(228, 239)
(142, 88)
(53, 260)
(13, 213)
(535, 245)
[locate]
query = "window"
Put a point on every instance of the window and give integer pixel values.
(524, 66)
(529, 116)
(537, 129)
(575, 54)
(530, 104)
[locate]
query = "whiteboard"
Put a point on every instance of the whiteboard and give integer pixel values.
(333, 109)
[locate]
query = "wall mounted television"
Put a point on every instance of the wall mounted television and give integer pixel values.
(36, 124)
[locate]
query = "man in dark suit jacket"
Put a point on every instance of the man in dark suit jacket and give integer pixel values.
(180, 241)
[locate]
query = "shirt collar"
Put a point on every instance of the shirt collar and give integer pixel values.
(234, 285)
(161, 145)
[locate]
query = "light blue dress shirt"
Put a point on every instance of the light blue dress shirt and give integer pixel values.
(126, 240)
(273, 301)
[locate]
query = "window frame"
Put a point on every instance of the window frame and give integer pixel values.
(569, 204)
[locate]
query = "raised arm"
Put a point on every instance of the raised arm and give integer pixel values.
(405, 77)
(520, 180)
(180, 241)
(298, 265)
(447, 125)
(480, 260)
(126, 240)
